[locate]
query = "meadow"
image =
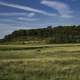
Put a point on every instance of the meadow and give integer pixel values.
(40, 62)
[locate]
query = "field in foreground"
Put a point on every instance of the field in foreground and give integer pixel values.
(40, 62)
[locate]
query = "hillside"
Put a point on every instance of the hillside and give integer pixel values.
(60, 34)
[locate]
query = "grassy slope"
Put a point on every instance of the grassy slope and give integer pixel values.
(40, 62)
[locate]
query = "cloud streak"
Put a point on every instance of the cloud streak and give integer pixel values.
(18, 14)
(62, 8)
(26, 8)
(27, 19)
(12, 14)
(31, 14)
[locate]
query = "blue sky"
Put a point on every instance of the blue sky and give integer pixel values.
(23, 14)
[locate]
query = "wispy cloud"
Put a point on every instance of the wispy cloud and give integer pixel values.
(31, 14)
(62, 8)
(12, 14)
(27, 19)
(26, 8)
(18, 14)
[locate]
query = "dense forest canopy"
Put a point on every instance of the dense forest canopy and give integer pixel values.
(59, 34)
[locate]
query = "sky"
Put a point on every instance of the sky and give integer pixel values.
(27, 14)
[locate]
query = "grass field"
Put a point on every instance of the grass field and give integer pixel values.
(40, 62)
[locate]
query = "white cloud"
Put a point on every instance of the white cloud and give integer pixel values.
(26, 19)
(31, 14)
(18, 14)
(26, 8)
(62, 8)
(66, 16)
(12, 14)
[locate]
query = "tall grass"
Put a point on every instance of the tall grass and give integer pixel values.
(44, 62)
(40, 70)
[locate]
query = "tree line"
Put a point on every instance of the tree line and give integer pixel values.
(59, 34)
